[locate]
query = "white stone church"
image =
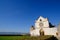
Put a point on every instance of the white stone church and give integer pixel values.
(43, 27)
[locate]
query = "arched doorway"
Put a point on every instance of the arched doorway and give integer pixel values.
(41, 32)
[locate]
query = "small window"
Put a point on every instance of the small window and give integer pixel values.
(40, 20)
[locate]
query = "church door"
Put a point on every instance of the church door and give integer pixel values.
(41, 32)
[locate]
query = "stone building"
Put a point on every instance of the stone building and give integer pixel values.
(43, 27)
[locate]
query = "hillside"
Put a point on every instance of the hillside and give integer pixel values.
(27, 38)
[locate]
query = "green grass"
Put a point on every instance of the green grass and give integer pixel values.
(24, 38)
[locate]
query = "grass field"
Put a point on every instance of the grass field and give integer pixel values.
(27, 38)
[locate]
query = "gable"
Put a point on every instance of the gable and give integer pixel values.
(42, 22)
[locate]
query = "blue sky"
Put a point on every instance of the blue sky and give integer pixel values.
(19, 15)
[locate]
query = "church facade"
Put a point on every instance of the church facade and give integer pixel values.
(43, 27)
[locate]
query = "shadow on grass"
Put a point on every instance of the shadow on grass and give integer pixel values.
(52, 38)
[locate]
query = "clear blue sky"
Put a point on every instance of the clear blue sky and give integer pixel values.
(19, 15)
